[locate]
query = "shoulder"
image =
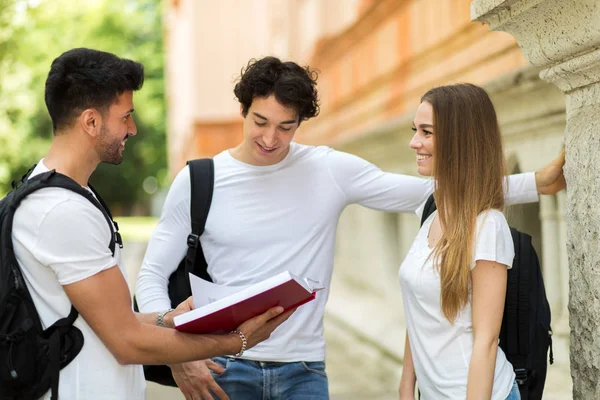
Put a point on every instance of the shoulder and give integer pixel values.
(306, 152)
(181, 184)
(493, 240)
(341, 161)
(56, 225)
(74, 212)
(492, 219)
(57, 202)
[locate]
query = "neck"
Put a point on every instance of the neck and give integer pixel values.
(243, 153)
(72, 159)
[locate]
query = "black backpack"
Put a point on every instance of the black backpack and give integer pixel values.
(31, 357)
(525, 335)
(202, 183)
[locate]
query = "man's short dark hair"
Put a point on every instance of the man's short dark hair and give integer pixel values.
(84, 78)
(293, 86)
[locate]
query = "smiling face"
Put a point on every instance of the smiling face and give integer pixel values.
(423, 140)
(117, 126)
(269, 128)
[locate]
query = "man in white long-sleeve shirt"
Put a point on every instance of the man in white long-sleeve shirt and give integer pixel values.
(275, 207)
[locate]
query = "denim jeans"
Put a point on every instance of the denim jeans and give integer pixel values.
(514, 393)
(261, 380)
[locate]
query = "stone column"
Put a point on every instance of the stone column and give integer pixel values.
(564, 38)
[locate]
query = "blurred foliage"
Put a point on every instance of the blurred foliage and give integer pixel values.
(32, 34)
(136, 229)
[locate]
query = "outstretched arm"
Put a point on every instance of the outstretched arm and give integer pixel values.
(364, 183)
(103, 301)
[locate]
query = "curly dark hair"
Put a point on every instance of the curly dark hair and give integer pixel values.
(84, 78)
(293, 86)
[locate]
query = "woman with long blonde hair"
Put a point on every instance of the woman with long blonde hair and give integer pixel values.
(454, 277)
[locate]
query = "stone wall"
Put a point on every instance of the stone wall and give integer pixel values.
(564, 39)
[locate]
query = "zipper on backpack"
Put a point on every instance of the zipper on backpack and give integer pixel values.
(11, 368)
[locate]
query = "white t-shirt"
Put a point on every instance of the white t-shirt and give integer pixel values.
(441, 351)
(60, 238)
(267, 219)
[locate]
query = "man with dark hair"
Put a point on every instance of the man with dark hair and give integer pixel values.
(276, 206)
(61, 241)
(293, 86)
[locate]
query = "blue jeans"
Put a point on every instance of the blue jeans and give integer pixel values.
(261, 380)
(514, 393)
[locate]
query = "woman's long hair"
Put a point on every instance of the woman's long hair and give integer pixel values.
(469, 171)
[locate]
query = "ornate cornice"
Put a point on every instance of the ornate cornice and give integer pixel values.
(562, 36)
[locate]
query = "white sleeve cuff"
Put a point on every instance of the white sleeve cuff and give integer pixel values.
(521, 189)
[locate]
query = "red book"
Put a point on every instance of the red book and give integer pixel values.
(227, 313)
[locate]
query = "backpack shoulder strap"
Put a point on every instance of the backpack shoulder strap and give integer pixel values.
(202, 177)
(429, 208)
(116, 236)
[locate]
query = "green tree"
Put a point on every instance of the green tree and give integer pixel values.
(32, 34)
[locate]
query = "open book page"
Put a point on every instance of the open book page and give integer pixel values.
(205, 292)
(309, 284)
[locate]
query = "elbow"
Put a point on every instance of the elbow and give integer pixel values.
(141, 283)
(126, 353)
(128, 349)
(123, 358)
(487, 343)
(151, 292)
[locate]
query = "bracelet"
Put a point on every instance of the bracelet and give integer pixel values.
(160, 317)
(244, 342)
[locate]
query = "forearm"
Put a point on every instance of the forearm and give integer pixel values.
(152, 294)
(149, 344)
(149, 318)
(409, 378)
(129, 337)
(481, 370)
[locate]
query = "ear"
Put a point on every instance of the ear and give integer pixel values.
(90, 121)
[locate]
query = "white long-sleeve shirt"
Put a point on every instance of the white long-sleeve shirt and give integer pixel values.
(267, 219)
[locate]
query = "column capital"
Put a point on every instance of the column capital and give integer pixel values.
(561, 36)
